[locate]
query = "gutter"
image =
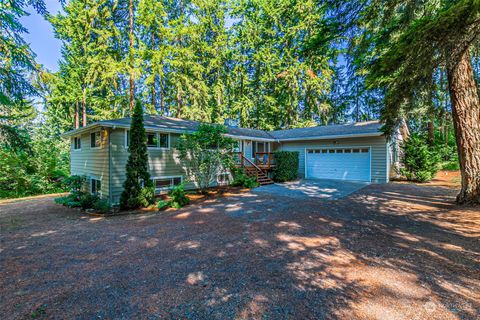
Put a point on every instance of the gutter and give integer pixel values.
(110, 198)
(340, 136)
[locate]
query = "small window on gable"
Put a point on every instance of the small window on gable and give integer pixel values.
(95, 139)
(77, 143)
(95, 186)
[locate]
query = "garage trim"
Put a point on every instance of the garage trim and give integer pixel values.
(341, 147)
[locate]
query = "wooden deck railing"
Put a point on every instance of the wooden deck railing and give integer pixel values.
(265, 160)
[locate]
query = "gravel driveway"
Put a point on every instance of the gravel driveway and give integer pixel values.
(396, 251)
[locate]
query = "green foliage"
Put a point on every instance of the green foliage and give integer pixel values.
(74, 183)
(87, 200)
(71, 201)
(240, 179)
(101, 205)
(137, 188)
(178, 196)
(286, 166)
(205, 153)
(37, 169)
(420, 162)
(163, 204)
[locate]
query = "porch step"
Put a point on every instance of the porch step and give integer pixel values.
(262, 178)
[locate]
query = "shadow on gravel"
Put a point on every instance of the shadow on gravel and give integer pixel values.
(396, 251)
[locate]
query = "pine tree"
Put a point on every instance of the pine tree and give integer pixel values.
(137, 188)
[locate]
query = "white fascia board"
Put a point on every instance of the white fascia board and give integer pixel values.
(342, 136)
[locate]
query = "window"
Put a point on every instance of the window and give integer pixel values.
(127, 138)
(164, 143)
(164, 183)
(77, 143)
(223, 178)
(95, 186)
(356, 150)
(95, 139)
(331, 151)
(158, 140)
(152, 140)
(348, 150)
(365, 150)
(339, 150)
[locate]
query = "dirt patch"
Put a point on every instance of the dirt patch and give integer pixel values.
(396, 251)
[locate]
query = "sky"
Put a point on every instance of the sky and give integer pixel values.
(41, 38)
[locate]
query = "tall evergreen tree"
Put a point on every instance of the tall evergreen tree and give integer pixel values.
(137, 188)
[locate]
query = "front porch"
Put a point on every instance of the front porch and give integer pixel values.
(257, 159)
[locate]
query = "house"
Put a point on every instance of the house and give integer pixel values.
(356, 151)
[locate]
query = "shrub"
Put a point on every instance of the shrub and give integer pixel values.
(163, 204)
(87, 200)
(286, 166)
(71, 201)
(240, 179)
(74, 183)
(178, 196)
(205, 153)
(101, 205)
(420, 163)
(135, 193)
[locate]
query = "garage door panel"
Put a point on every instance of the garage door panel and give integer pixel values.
(339, 165)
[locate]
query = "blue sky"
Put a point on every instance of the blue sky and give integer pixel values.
(41, 38)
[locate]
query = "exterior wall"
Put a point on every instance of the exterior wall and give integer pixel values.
(161, 162)
(378, 145)
(91, 162)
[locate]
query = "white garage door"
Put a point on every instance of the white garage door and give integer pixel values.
(338, 163)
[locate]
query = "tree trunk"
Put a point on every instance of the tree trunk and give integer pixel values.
(466, 121)
(132, 76)
(162, 99)
(77, 115)
(154, 87)
(84, 107)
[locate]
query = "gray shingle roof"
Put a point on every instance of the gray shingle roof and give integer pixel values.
(180, 125)
(359, 128)
(175, 124)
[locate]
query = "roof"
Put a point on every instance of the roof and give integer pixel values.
(168, 124)
(369, 128)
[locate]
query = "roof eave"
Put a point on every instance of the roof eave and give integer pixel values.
(358, 135)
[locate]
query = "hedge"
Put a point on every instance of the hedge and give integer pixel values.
(286, 168)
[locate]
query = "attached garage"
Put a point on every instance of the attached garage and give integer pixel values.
(340, 163)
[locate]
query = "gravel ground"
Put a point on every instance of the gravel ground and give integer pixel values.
(396, 251)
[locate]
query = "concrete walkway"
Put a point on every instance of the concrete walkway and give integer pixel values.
(319, 189)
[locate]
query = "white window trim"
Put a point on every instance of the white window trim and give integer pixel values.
(222, 174)
(158, 138)
(80, 139)
(165, 177)
(90, 136)
(90, 185)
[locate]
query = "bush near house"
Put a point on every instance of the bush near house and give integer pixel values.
(81, 199)
(419, 160)
(138, 190)
(205, 153)
(286, 166)
(178, 198)
(240, 179)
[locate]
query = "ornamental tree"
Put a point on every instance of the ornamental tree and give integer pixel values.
(137, 188)
(205, 153)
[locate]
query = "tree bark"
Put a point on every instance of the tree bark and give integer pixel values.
(84, 107)
(77, 115)
(466, 121)
(132, 76)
